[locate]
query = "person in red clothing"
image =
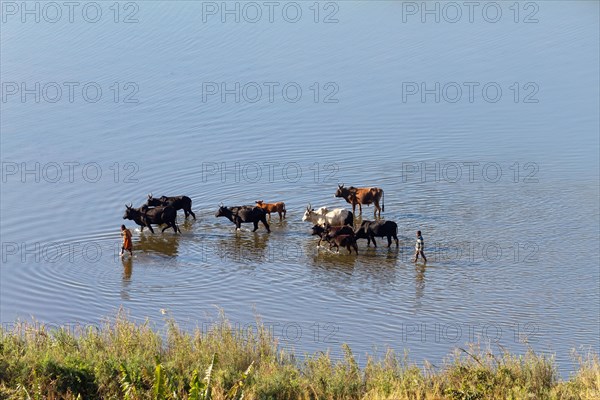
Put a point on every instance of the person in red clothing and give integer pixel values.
(127, 245)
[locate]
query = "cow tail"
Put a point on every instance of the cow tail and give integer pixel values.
(382, 200)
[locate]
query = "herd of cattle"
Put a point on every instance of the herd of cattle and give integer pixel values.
(333, 226)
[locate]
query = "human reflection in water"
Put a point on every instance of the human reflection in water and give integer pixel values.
(166, 245)
(419, 281)
(126, 277)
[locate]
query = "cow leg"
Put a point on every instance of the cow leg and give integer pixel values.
(255, 226)
(150, 227)
(347, 246)
(373, 239)
(355, 247)
(188, 211)
(396, 239)
(389, 241)
(142, 229)
(264, 222)
(171, 225)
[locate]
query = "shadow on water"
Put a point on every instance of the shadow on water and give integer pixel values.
(330, 259)
(158, 243)
(379, 267)
(241, 247)
(372, 269)
(277, 225)
(186, 225)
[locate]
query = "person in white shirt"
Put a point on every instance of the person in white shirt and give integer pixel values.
(419, 247)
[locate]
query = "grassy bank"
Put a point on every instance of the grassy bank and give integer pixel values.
(131, 361)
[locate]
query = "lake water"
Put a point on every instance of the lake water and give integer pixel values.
(481, 127)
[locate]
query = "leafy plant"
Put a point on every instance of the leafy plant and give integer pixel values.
(202, 390)
(127, 383)
(237, 390)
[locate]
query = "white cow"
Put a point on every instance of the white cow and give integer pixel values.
(335, 217)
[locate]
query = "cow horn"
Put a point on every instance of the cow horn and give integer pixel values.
(221, 204)
(150, 195)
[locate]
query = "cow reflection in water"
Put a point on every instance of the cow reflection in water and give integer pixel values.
(373, 268)
(242, 248)
(166, 245)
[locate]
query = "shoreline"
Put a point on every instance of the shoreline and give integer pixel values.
(125, 359)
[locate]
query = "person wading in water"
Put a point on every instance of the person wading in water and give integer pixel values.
(127, 245)
(419, 247)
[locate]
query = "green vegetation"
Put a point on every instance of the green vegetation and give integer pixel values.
(131, 361)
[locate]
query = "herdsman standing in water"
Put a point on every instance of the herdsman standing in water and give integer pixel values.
(419, 247)
(127, 245)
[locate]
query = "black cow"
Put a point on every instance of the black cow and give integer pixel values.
(327, 232)
(369, 229)
(144, 216)
(178, 202)
(244, 214)
(347, 241)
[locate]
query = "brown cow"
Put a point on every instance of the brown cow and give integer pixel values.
(347, 241)
(328, 232)
(362, 196)
(269, 208)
